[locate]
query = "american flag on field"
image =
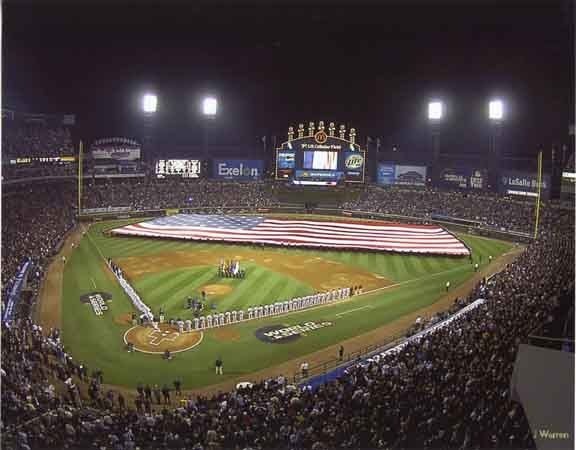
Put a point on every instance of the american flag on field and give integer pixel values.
(383, 236)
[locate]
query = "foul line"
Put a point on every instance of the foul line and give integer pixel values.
(107, 266)
(352, 310)
(93, 243)
(354, 297)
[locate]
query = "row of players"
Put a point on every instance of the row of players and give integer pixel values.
(132, 294)
(257, 312)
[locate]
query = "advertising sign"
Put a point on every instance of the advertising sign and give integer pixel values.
(462, 178)
(238, 169)
(118, 153)
(410, 175)
(286, 159)
(568, 184)
(324, 175)
(455, 177)
(523, 183)
(478, 179)
(285, 163)
(118, 148)
(354, 166)
(385, 173)
(185, 168)
(389, 173)
(41, 159)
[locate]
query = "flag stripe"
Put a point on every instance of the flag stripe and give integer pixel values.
(275, 231)
(281, 237)
(330, 234)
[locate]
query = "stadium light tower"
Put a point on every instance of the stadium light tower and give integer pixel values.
(209, 107)
(435, 110)
(495, 110)
(149, 103)
(496, 117)
(149, 107)
(435, 116)
(209, 111)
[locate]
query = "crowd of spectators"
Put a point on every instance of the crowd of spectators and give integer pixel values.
(490, 209)
(450, 390)
(35, 139)
(34, 220)
(150, 193)
(503, 213)
(12, 172)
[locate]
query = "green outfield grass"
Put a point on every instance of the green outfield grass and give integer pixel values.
(98, 340)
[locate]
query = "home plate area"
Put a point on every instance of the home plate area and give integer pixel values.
(149, 340)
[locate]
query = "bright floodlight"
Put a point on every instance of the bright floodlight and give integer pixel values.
(495, 110)
(149, 103)
(435, 110)
(209, 106)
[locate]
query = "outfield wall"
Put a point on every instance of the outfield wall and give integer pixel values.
(14, 294)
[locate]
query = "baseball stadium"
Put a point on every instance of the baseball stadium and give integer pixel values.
(172, 289)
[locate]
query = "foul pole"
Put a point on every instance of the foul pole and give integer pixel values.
(538, 196)
(80, 179)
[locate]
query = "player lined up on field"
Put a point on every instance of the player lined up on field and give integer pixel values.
(257, 312)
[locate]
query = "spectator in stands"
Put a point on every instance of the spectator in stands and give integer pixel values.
(178, 193)
(38, 138)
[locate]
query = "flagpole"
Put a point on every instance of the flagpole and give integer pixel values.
(539, 193)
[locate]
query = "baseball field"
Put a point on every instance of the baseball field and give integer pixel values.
(165, 273)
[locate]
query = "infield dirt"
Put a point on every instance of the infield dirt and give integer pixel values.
(49, 309)
(149, 340)
(315, 271)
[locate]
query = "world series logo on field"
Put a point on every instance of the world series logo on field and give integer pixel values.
(282, 334)
(98, 301)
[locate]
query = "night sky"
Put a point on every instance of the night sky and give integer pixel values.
(370, 66)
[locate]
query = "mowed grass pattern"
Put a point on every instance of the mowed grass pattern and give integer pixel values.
(98, 340)
(169, 290)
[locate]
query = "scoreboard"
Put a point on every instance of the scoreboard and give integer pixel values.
(184, 168)
(320, 160)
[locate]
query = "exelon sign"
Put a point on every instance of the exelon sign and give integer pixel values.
(242, 171)
(238, 169)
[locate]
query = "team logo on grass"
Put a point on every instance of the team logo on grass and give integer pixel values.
(97, 300)
(282, 334)
(157, 337)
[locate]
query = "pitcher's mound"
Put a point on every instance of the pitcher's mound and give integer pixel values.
(216, 289)
(149, 340)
